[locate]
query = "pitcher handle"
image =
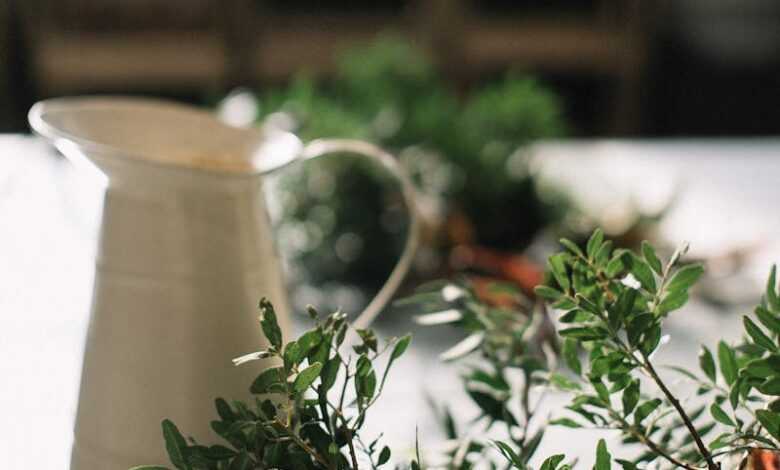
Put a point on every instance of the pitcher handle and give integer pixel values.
(320, 147)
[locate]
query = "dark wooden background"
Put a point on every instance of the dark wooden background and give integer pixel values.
(623, 67)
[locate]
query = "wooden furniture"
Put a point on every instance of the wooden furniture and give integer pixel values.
(209, 46)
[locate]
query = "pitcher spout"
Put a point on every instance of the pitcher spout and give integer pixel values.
(115, 132)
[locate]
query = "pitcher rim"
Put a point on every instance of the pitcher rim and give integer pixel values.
(52, 133)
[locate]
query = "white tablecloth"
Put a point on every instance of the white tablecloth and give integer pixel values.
(728, 193)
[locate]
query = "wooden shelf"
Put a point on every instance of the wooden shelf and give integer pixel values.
(142, 60)
(250, 43)
(551, 45)
(284, 46)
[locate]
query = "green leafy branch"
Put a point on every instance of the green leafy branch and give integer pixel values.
(515, 358)
(309, 407)
(613, 304)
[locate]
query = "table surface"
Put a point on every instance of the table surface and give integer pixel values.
(726, 193)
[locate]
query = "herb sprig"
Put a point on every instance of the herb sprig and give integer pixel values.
(614, 304)
(309, 408)
(507, 385)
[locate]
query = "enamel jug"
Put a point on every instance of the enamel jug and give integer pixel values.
(185, 253)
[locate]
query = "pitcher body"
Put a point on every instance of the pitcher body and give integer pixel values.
(186, 252)
(182, 262)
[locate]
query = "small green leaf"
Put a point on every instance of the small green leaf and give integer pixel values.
(321, 353)
(600, 366)
(384, 456)
(223, 410)
(219, 452)
(510, 454)
(626, 464)
(369, 338)
(770, 387)
(601, 389)
(644, 410)
(564, 303)
(619, 381)
(622, 307)
(571, 246)
(672, 301)
(175, 445)
(684, 372)
(566, 422)
(587, 305)
(269, 324)
(770, 421)
(571, 356)
(630, 397)
(563, 383)
(269, 381)
(400, 347)
(306, 377)
(365, 379)
(330, 372)
(638, 325)
(493, 381)
(292, 355)
(641, 272)
(734, 393)
(548, 293)
(583, 333)
(720, 415)
(707, 363)
(398, 351)
(574, 316)
(552, 462)
(771, 293)
(594, 243)
(759, 337)
(720, 441)
(758, 368)
(651, 339)
(531, 445)
(768, 319)
(603, 459)
(728, 362)
(616, 264)
(602, 256)
(340, 335)
(309, 341)
(489, 405)
(558, 267)
(652, 259)
(685, 277)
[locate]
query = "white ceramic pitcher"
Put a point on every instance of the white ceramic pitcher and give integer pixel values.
(185, 253)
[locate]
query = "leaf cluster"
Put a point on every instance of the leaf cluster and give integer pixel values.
(461, 150)
(505, 385)
(613, 304)
(309, 408)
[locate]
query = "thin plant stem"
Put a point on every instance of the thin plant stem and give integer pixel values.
(648, 366)
(650, 444)
(352, 453)
(306, 447)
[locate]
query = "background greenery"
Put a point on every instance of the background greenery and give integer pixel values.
(467, 151)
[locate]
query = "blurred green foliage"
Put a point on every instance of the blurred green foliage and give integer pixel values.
(465, 152)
